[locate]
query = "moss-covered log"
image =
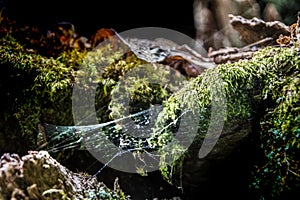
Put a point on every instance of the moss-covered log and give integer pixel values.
(33, 87)
(264, 90)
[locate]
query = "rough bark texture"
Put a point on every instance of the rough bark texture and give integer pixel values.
(212, 21)
(253, 30)
(39, 176)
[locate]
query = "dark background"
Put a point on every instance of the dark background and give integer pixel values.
(88, 15)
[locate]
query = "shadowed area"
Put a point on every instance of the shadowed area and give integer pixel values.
(88, 16)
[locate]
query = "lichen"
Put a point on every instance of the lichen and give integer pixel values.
(38, 176)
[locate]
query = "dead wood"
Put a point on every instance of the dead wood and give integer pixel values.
(38, 176)
(233, 54)
(253, 30)
(180, 57)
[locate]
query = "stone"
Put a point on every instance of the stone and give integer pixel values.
(39, 176)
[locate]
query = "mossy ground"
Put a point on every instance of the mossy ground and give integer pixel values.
(38, 89)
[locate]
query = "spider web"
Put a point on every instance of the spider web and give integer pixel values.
(55, 138)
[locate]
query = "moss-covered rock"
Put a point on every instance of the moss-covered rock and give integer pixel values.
(263, 90)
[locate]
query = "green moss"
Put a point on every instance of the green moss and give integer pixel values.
(279, 175)
(41, 88)
(271, 80)
(31, 84)
(42, 91)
